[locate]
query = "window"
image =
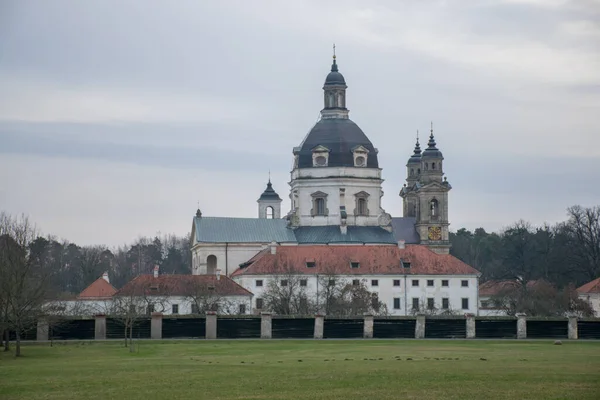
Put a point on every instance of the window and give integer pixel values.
(259, 282)
(405, 264)
(396, 303)
(320, 161)
(355, 282)
(211, 264)
(150, 309)
(175, 309)
(354, 265)
(319, 202)
(430, 303)
(303, 282)
(131, 309)
(445, 282)
(396, 282)
(362, 206)
(445, 303)
(320, 206)
(331, 282)
(360, 161)
(432, 165)
(433, 207)
(259, 304)
(484, 304)
(303, 305)
(430, 282)
(374, 282)
(465, 303)
(415, 282)
(310, 264)
(195, 309)
(412, 172)
(375, 301)
(415, 303)
(270, 213)
(284, 282)
(464, 283)
(242, 309)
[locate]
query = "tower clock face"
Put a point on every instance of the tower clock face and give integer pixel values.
(434, 233)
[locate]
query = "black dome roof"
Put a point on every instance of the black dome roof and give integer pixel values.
(269, 193)
(335, 77)
(432, 151)
(340, 136)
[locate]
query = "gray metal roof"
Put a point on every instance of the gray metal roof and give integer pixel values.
(242, 230)
(332, 234)
(404, 229)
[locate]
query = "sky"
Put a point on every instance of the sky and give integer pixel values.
(119, 118)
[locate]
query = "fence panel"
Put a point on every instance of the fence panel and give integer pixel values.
(116, 330)
(498, 329)
(192, 328)
(394, 328)
(301, 328)
(588, 329)
(547, 329)
(238, 328)
(343, 328)
(445, 328)
(75, 329)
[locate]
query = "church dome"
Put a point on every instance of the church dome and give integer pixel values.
(432, 151)
(416, 157)
(269, 193)
(340, 136)
(335, 77)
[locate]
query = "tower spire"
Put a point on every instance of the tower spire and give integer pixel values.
(334, 67)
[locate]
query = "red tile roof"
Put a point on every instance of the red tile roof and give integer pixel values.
(590, 287)
(99, 289)
(181, 285)
(495, 287)
(373, 259)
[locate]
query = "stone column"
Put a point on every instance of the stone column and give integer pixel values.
(266, 326)
(368, 327)
(420, 327)
(156, 325)
(521, 326)
(42, 330)
(470, 326)
(211, 325)
(573, 332)
(319, 323)
(100, 327)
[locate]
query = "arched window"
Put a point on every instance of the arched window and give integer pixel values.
(270, 212)
(412, 172)
(432, 165)
(426, 166)
(211, 264)
(433, 207)
(362, 206)
(320, 206)
(419, 171)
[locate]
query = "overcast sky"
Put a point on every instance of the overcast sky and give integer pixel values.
(118, 117)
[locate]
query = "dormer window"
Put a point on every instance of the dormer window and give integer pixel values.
(354, 264)
(320, 156)
(360, 156)
(310, 264)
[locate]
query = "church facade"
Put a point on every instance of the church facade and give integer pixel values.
(336, 222)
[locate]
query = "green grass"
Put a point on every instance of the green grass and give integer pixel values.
(357, 369)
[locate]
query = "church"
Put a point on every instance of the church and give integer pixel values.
(336, 224)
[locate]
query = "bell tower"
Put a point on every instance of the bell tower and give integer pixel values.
(269, 203)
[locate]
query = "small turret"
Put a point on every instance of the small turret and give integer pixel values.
(269, 203)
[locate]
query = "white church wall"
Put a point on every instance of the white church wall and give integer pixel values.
(229, 256)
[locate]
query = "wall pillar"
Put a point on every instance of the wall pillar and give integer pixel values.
(319, 323)
(42, 330)
(211, 325)
(471, 334)
(521, 326)
(156, 325)
(420, 327)
(368, 327)
(100, 327)
(266, 326)
(573, 332)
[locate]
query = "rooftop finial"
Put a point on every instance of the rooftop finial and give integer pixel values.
(269, 176)
(334, 51)
(431, 128)
(334, 67)
(417, 136)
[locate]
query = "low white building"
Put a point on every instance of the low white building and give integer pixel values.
(590, 292)
(406, 279)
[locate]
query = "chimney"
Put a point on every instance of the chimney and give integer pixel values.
(156, 271)
(218, 273)
(105, 277)
(273, 247)
(401, 244)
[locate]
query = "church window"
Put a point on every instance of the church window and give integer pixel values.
(259, 304)
(270, 213)
(432, 165)
(426, 166)
(418, 170)
(320, 206)
(412, 172)
(362, 201)
(360, 161)
(211, 264)
(319, 203)
(320, 161)
(433, 207)
(362, 206)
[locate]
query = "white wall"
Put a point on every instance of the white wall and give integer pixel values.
(594, 300)
(234, 254)
(387, 291)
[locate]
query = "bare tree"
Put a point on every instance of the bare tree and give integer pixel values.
(286, 293)
(204, 296)
(583, 228)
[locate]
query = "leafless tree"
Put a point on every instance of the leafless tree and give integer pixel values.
(583, 228)
(205, 296)
(286, 293)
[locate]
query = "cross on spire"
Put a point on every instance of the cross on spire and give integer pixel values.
(334, 51)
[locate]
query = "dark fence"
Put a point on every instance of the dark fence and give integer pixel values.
(115, 329)
(588, 329)
(28, 334)
(394, 328)
(343, 328)
(183, 328)
(496, 328)
(238, 328)
(74, 329)
(547, 329)
(299, 328)
(445, 328)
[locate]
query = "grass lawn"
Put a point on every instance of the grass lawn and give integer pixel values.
(289, 369)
